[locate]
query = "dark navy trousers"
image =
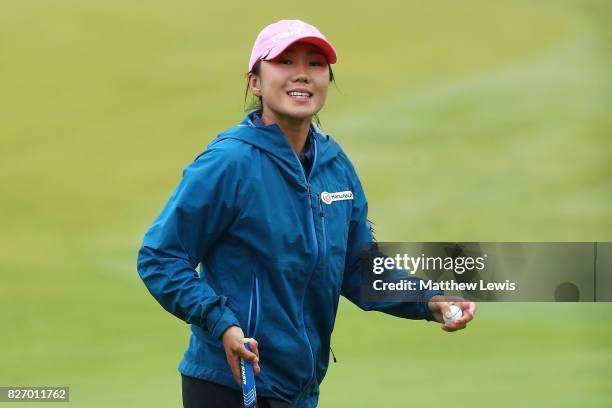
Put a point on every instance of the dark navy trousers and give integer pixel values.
(205, 394)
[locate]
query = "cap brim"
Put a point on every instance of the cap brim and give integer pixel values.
(325, 46)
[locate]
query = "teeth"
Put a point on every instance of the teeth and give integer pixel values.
(299, 94)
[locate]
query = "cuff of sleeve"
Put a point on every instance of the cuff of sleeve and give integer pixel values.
(428, 294)
(225, 320)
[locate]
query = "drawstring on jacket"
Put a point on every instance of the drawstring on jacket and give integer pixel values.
(333, 355)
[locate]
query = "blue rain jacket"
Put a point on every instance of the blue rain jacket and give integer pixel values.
(274, 253)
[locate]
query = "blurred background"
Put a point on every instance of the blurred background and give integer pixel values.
(467, 121)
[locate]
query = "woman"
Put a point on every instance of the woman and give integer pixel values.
(276, 246)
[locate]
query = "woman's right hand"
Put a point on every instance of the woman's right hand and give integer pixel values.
(234, 350)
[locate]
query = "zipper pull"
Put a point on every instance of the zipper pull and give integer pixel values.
(309, 195)
(321, 206)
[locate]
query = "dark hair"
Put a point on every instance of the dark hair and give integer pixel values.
(256, 104)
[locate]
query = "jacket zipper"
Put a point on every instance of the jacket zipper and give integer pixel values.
(316, 257)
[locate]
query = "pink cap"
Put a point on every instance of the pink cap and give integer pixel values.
(276, 37)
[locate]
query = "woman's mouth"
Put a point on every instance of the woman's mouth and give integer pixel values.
(299, 95)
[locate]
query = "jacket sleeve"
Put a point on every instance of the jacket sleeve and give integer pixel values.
(198, 212)
(360, 234)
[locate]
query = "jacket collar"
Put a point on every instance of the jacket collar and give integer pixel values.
(271, 140)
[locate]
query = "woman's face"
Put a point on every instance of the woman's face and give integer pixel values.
(294, 84)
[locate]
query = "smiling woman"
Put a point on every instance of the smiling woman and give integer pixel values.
(275, 215)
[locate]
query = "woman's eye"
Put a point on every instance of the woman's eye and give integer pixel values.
(284, 61)
(316, 64)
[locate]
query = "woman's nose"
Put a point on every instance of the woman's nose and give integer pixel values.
(301, 72)
(301, 77)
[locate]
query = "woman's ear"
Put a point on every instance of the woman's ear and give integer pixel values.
(254, 84)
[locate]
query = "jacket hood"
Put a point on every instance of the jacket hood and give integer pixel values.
(271, 140)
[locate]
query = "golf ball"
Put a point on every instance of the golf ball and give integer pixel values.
(455, 313)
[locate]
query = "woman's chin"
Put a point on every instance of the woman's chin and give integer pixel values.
(305, 112)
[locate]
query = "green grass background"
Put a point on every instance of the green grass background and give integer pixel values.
(467, 121)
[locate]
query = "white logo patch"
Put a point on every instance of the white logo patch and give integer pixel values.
(329, 198)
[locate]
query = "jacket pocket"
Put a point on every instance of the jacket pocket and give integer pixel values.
(253, 315)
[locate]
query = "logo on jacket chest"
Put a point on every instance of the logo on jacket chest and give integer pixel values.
(329, 198)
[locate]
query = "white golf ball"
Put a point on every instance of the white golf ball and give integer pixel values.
(455, 312)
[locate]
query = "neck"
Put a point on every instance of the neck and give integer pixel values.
(294, 129)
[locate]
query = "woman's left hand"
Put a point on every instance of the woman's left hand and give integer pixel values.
(440, 306)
